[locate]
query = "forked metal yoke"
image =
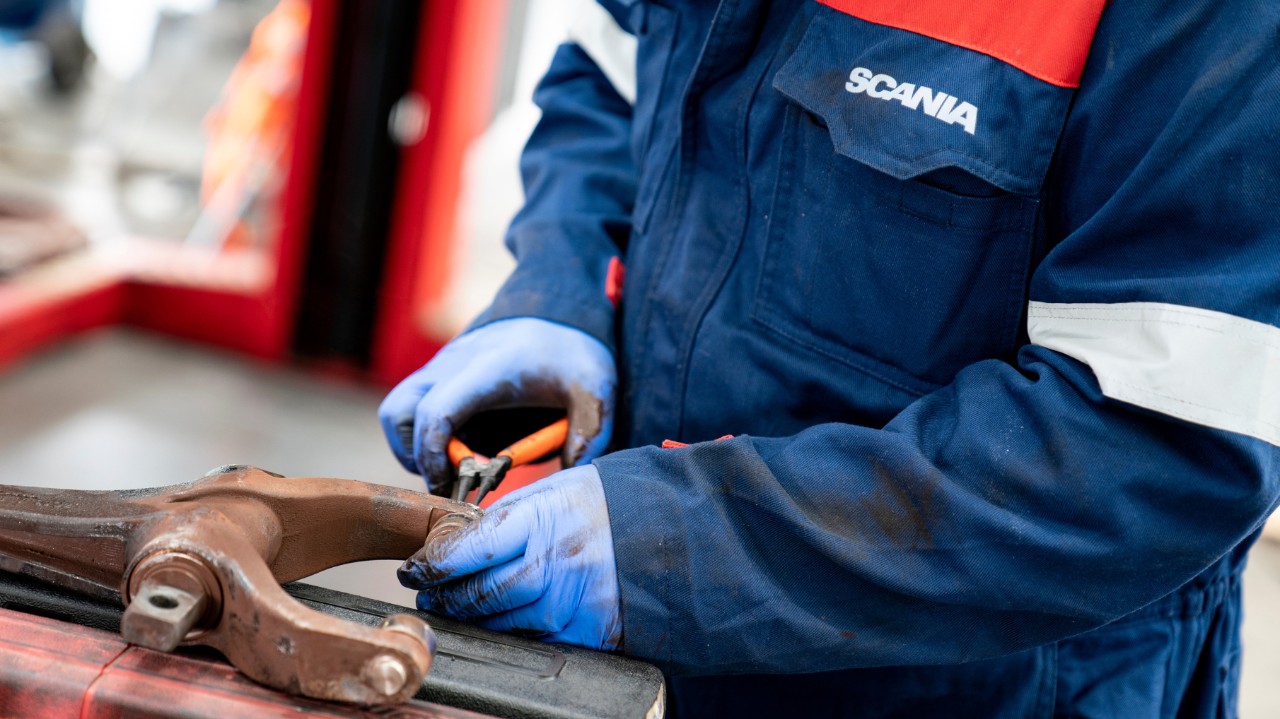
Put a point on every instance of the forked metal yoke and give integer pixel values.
(202, 564)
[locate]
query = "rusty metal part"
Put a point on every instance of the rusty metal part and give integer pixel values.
(202, 563)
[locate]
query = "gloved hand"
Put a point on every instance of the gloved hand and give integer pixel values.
(540, 562)
(520, 362)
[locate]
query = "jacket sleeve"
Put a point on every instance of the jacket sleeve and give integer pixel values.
(579, 182)
(1130, 445)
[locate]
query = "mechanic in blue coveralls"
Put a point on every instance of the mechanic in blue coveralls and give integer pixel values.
(987, 294)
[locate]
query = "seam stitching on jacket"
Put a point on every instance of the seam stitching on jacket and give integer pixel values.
(1216, 330)
(1139, 390)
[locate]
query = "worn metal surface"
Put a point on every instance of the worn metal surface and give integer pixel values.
(53, 670)
(487, 672)
(202, 563)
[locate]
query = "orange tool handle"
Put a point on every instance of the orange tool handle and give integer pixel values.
(458, 451)
(544, 441)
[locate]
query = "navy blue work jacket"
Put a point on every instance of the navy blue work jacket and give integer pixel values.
(993, 326)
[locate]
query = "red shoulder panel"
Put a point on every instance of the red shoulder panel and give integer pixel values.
(1047, 39)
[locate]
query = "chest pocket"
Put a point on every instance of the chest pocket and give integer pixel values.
(905, 209)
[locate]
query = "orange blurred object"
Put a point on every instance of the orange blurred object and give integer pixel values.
(250, 130)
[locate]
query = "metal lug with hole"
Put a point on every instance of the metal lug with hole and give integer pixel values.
(202, 563)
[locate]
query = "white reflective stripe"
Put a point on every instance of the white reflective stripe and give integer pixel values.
(605, 42)
(1206, 367)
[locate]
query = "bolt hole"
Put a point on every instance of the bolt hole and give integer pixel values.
(162, 601)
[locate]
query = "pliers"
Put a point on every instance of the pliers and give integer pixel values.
(484, 475)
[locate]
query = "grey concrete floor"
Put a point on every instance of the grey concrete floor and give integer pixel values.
(119, 409)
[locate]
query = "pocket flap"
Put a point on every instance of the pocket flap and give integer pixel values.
(907, 104)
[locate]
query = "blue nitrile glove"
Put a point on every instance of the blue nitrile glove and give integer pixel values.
(540, 563)
(520, 362)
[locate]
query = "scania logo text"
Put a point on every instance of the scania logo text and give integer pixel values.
(940, 105)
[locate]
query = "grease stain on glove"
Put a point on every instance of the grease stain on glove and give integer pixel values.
(539, 563)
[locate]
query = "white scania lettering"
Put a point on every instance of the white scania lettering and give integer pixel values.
(966, 115)
(877, 81)
(947, 107)
(932, 102)
(902, 93)
(940, 105)
(858, 80)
